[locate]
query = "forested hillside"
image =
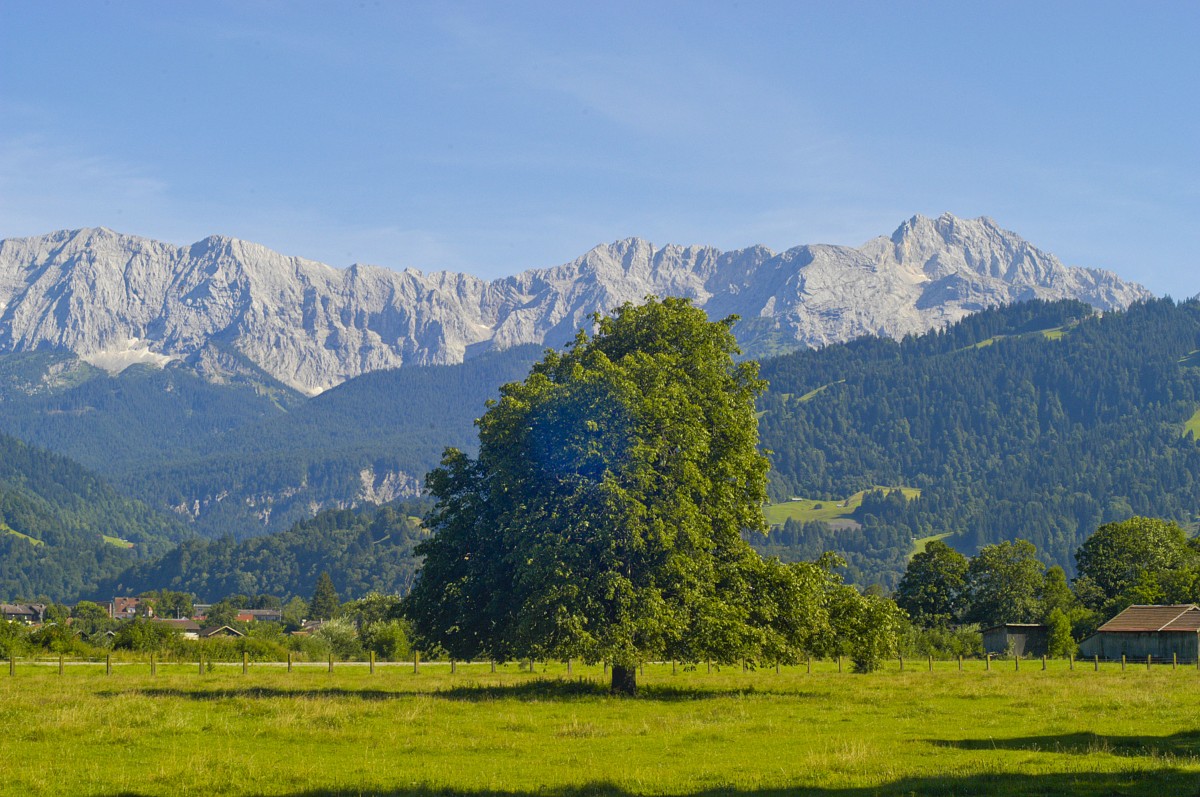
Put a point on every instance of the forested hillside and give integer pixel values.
(249, 457)
(1039, 421)
(62, 528)
(363, 551)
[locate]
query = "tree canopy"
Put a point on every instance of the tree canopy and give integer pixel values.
(603, 517)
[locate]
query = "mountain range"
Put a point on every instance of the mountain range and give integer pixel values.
(234, 310)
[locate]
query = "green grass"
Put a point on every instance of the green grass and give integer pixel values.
(810, 395)
(920, 543)
(117, 541)
(1193, 426)
(997, 732)
(4, 529)
(806, 510)
(1053, 333)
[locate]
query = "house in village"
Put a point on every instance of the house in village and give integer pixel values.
(1016, 639)
(1161, 632)
(220, 631)
(260, 616)
(188, 629)
(31, 613)
(129, 608)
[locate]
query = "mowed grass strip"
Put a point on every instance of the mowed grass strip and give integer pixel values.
(806, 509)
(1193, 426)
(311, 732)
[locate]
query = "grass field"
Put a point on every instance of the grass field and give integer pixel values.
(977, 732)
(1193, 426)
(805, 510)
(920, 544)
(4, 529)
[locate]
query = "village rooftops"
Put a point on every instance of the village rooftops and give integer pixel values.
(1175, 617)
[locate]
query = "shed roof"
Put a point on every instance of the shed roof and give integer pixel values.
(1175, 617)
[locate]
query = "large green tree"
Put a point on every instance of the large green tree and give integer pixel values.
(603, 518)
(1133, 561)
(931, 590)
(1004, 584)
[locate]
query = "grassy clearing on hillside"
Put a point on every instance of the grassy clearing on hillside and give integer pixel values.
(999, 732)
(1193, 426)
(920, 543)
(4, 529)
(117, 541)
(810, 395)
(806, 510)
(1054, 333)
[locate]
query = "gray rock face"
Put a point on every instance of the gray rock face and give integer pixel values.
(118, 299)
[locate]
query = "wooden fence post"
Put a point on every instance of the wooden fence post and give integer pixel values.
(1174, 661)
(1097, 668)
(776, 667)
(372, 657)
(453, 666)
(1016, 662)
(245, 662)
(416, 662)
(988, 665)
(331, 662)
(494, 666)
(153, 666)
(1043, 663)
(901, 664)
(839, 663)
(810, 665)
(289, 661)
(12, 665)
(710, 667)
(1147, 662)
(60, 664)
(1122, 662)
(673, 670)
(108, 664)
(960, 662)
(931, 662)
(1072, 661)
(200, 664)
(569, 666)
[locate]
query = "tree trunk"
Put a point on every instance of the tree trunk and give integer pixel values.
(624, 680)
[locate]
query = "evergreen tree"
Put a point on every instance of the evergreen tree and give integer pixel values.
(324, 603)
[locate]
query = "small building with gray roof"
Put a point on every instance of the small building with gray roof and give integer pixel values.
(1161, 632)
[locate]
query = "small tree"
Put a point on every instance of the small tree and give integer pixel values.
(871, 627)
(1060, 643)
(324, 603)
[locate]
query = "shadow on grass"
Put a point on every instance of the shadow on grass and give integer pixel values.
(1185, 744)
(540, 690)
(1152, 783)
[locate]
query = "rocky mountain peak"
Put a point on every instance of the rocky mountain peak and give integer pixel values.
(117, 299)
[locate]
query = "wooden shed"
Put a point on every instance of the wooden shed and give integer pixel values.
(1161, 632)
(1016, 639)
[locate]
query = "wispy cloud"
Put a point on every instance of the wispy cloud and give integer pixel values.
(46, 185)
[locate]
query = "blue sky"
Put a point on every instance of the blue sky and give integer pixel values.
(494, 137)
